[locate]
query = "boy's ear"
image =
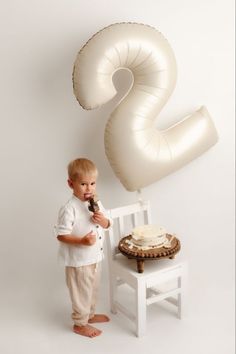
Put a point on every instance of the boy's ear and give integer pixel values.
(70, 183)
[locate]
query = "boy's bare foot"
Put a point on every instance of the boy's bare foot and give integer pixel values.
(87, 331)
(99, 318)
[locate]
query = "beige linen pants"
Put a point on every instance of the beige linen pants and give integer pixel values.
(83, 285)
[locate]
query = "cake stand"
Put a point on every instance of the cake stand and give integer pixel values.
(131, 251)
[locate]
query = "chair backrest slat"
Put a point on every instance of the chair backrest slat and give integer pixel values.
(121, 226)
(134, 219)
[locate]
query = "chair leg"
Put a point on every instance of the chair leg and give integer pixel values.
(179, 299)
(140, 309)
(182, 283)
(113, 292)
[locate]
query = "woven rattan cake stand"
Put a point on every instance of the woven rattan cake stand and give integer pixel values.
(150, 254)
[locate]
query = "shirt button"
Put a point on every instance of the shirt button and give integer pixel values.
(100, 238)
(97, 226)
(101, 249)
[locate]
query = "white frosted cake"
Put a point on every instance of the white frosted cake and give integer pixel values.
(149, 236)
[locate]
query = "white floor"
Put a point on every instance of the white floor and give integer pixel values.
(36, 319)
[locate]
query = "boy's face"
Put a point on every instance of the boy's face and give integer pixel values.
(83, 186)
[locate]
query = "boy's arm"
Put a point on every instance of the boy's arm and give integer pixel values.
(87, 240)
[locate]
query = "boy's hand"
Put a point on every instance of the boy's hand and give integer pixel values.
(89, 239)
(100, 219)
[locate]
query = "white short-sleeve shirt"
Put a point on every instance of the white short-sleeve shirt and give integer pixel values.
(75, 218)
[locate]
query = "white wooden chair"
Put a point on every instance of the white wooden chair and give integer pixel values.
(156, 272)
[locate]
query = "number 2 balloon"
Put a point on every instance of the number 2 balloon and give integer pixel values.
(138, 152)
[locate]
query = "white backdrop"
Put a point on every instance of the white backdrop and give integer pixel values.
(43, 128)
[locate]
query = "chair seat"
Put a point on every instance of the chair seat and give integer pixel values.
(151, 265)
(154, 271)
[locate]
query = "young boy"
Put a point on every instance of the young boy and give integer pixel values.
(80, 232)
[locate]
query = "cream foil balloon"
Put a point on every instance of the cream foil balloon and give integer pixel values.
(139, 153)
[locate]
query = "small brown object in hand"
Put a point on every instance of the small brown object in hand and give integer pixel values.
(93, 206)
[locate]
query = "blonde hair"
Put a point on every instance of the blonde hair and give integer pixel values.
(81, 167)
